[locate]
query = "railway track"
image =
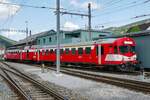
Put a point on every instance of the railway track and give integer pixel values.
(121, 82)
(26, 87)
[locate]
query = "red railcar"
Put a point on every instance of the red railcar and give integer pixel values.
(108, 52)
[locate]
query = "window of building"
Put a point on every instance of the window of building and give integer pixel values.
(73, 50)
(39, 41)
(88, 50)
(50, 39)
(67, 50)
(44, 41)
(80, 51)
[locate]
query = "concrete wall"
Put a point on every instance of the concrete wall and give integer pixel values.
(85, 35)
(40, 40)
(143, 49)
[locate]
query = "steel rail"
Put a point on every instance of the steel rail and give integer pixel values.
(22, 95)
(40, 85)
(121, 82)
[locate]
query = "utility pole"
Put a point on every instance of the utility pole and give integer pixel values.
(58, 32)
(30, 33)
(58, 12)
(26, 32)
(89, 17)
(82, 15)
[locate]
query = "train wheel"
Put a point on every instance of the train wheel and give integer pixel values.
(122, 67)
(126, 68)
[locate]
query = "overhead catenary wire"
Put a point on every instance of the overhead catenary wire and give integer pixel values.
(113, 2)
(133, 4)
(109, 6)
(132, 18)
(114, 7)
(40, 7)
(25, 5)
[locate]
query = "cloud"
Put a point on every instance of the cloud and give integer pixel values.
(84, 5)
(14, 35)
(69, 26)
(7, 10)
(74, 2)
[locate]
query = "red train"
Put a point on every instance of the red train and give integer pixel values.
(111, 52)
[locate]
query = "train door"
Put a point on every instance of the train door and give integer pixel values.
(20, 54)
(100, 52)
(27, 55)
(38, 55)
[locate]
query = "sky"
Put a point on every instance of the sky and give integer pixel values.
(107, 13)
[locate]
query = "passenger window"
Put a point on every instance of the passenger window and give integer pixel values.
(115, 50)
(73, 50)
(110, 49)
(51, 51)
(61, 51)
(102, 50)
(39, 51)
(55, 51)
(80, 51)
(43, 52)
(67, 51)
(88, 50)
(47, 52)
(96, 50)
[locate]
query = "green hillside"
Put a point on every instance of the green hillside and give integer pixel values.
(133, 27)
(5, 41)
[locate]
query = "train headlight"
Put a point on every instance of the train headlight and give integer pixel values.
(134, 57)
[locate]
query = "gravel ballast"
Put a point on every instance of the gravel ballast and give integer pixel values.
(86, 88)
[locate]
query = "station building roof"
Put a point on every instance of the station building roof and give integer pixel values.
(4, 42)
(33, 38)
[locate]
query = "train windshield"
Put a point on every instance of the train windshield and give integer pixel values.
(132, 49)
(126, 49)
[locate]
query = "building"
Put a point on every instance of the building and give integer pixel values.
(4, 43)
(76, 36)
(48, 38)
(143, 47)
(32, 40)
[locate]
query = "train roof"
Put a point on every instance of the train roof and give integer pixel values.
(101, 41)
(90, 43)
